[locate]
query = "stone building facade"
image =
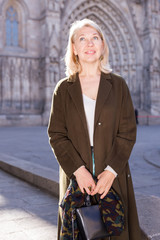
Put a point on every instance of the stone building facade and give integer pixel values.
(33, 38)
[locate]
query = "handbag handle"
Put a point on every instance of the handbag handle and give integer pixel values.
(87, 201)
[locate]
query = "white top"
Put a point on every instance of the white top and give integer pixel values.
(89, 107)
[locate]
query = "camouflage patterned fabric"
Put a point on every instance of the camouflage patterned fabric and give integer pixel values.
(111, 209)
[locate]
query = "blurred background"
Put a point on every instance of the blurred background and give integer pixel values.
(33, 38)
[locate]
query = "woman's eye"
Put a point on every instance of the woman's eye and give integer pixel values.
(82, 39)
(95, 38)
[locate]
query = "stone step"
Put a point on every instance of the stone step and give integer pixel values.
(37, 175)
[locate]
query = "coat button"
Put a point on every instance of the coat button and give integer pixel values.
(129, 175)
(99, 123)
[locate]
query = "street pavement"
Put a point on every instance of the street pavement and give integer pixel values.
(27, 212)
(31, 144)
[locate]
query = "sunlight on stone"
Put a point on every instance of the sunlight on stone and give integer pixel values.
(3, 201)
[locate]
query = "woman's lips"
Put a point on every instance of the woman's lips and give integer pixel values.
(90, 52)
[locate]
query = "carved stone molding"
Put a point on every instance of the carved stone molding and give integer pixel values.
(21, 85)
(54, 5)
(137, 10)
(151, 46)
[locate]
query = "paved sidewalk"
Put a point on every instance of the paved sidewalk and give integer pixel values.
(26, 212)
(25, 152)
(28, 143)
(145, 161)
(31, 145)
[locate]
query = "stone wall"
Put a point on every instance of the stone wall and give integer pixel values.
(30, 70)
(21, 85)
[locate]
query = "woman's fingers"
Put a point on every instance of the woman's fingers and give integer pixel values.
(99, 175)
(84, 180)
(90, 186)
(104, 193)
(93, 185)
(81, 188)
(87, 189)
(105, 181)
(96, 189)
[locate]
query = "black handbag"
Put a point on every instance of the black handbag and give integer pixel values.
(90, 222)
(86, 217)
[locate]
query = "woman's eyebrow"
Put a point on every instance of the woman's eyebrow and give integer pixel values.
(85, 34)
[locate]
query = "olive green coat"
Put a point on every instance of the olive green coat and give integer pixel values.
(114, 137)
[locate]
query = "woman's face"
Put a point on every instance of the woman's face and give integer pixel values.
(88, 45)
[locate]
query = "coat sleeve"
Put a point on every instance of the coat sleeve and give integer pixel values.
(126, 135)
(64, 150)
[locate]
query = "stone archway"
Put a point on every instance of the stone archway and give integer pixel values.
(125, 51)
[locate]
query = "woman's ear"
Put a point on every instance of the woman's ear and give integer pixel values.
(74, 49)
(103, 48)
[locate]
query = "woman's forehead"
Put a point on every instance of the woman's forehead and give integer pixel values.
(87, 30)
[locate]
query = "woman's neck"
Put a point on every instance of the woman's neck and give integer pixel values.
(89, 71)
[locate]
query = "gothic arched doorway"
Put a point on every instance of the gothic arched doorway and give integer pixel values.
(125, 51)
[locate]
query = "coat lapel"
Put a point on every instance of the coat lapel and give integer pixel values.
(103, 93)
(76, 94)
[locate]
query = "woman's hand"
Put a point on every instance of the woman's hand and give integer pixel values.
(84, 180)
(105, 181)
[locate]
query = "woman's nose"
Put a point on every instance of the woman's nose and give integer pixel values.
(90, 42)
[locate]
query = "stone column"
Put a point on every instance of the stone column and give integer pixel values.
(151, 46)
(52, 43)
(154, 7)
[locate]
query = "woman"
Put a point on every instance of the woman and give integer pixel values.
(92, 107)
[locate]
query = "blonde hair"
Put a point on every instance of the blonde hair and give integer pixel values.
(71, 60)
